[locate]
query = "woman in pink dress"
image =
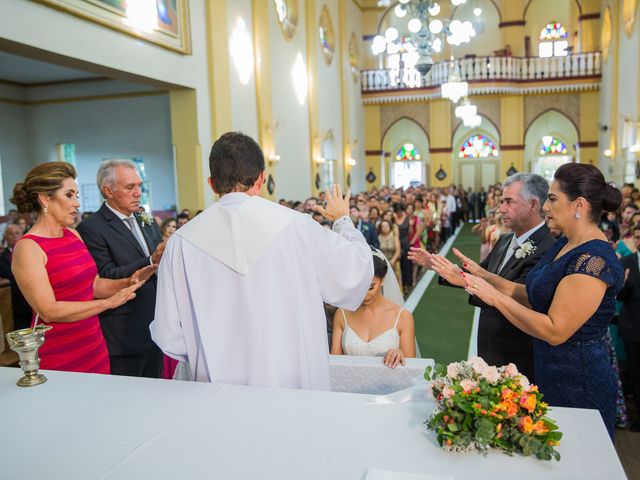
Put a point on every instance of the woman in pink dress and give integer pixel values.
(58, 276)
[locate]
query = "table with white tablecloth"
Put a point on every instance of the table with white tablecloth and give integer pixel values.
(83, 426)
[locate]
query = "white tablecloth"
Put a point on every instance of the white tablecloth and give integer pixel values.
(80, 426)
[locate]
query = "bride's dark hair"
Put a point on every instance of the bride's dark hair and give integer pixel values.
(379, 264)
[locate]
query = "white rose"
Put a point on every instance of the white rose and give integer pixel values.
(478, 364)
(491, 374)
(511, 370)
(453, 370)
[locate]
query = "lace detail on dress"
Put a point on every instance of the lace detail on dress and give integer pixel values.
(592, 265)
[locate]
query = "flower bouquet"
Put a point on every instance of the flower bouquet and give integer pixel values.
(480, 406)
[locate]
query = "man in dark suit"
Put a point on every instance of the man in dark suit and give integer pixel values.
(122, 241)
(367, 229)
(514, 255)
(629, 323)
(22, 312)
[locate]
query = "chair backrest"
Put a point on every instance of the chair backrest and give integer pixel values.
(355, 374)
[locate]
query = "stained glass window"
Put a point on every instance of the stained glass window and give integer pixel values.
(478, 146)
(553, 40)
(553, 31)
(408, 152)
(552, 146)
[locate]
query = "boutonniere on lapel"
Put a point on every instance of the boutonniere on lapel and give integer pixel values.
(145, 218)
(526, 249)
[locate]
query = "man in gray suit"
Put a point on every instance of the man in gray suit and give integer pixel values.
(121, 241)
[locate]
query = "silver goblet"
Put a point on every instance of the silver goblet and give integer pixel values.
(25, 343)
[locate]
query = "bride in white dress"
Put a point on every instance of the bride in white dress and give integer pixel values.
(378, 327)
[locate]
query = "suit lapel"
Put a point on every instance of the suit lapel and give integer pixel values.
(146, 233)
(501, 250)
(535, 238)
(119, 226)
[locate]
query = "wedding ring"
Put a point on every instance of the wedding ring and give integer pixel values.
(475, 285)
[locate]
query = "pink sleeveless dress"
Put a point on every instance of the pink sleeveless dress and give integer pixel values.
(72, 346)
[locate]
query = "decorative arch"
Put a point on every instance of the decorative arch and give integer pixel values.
(487, 126)
(403, 117)
(475, 172)
(529, 2)
(573, 123)
(403, 131)
(555, 124)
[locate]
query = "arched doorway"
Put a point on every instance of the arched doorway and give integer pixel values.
(476, 156)
(406, 161)
(550, 142)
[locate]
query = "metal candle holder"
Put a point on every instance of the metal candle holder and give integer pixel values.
(25, 343)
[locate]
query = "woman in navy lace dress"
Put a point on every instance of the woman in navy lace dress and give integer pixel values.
(569, 298)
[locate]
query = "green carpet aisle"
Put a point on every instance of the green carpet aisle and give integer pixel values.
(443, 318)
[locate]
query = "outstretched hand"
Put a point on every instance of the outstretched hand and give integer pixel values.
(421, 257)
(123, 296)
(481, 289)
(337, 205)
(447, 270)
(469, 265)
(143, 274)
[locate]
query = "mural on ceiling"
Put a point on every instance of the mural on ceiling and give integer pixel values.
(164, 22)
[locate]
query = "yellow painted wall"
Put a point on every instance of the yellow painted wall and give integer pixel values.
(511, 133)
(263, 85)
(513, 35)
(440, 136)
(184, 130)
(372, 139)
(590, 28)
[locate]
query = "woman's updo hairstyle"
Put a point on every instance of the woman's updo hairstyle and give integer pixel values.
(586, 181)
(45, 178)
(379, 264)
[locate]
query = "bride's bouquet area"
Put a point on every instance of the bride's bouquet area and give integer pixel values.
(480, 406)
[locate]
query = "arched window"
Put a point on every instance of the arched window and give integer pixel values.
(553, 41)
(408, 152)
(478, 146)
(552, 146)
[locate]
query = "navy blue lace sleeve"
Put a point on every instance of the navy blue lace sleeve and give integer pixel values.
(594, 265)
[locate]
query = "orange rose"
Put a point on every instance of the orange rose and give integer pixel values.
(540, 427)
(526, 424)
(528, 402)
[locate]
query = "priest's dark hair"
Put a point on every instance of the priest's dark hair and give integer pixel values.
(235, 163)
(586, 181)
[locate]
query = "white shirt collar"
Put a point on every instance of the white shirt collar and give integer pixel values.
(523, 238)
(233, 199)
(120, 215)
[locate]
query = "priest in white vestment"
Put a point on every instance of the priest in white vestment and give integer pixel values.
(241, 286)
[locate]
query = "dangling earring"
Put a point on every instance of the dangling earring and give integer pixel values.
(576, 216)
(45, 210)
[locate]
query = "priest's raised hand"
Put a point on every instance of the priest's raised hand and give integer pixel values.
(337, 205)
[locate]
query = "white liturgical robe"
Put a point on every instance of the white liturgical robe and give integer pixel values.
(241, 287)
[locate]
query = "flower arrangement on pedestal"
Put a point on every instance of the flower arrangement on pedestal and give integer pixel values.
(480, 406)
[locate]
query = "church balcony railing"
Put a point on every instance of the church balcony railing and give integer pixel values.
(486, 76)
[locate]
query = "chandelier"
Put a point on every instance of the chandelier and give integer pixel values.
(419, 34)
